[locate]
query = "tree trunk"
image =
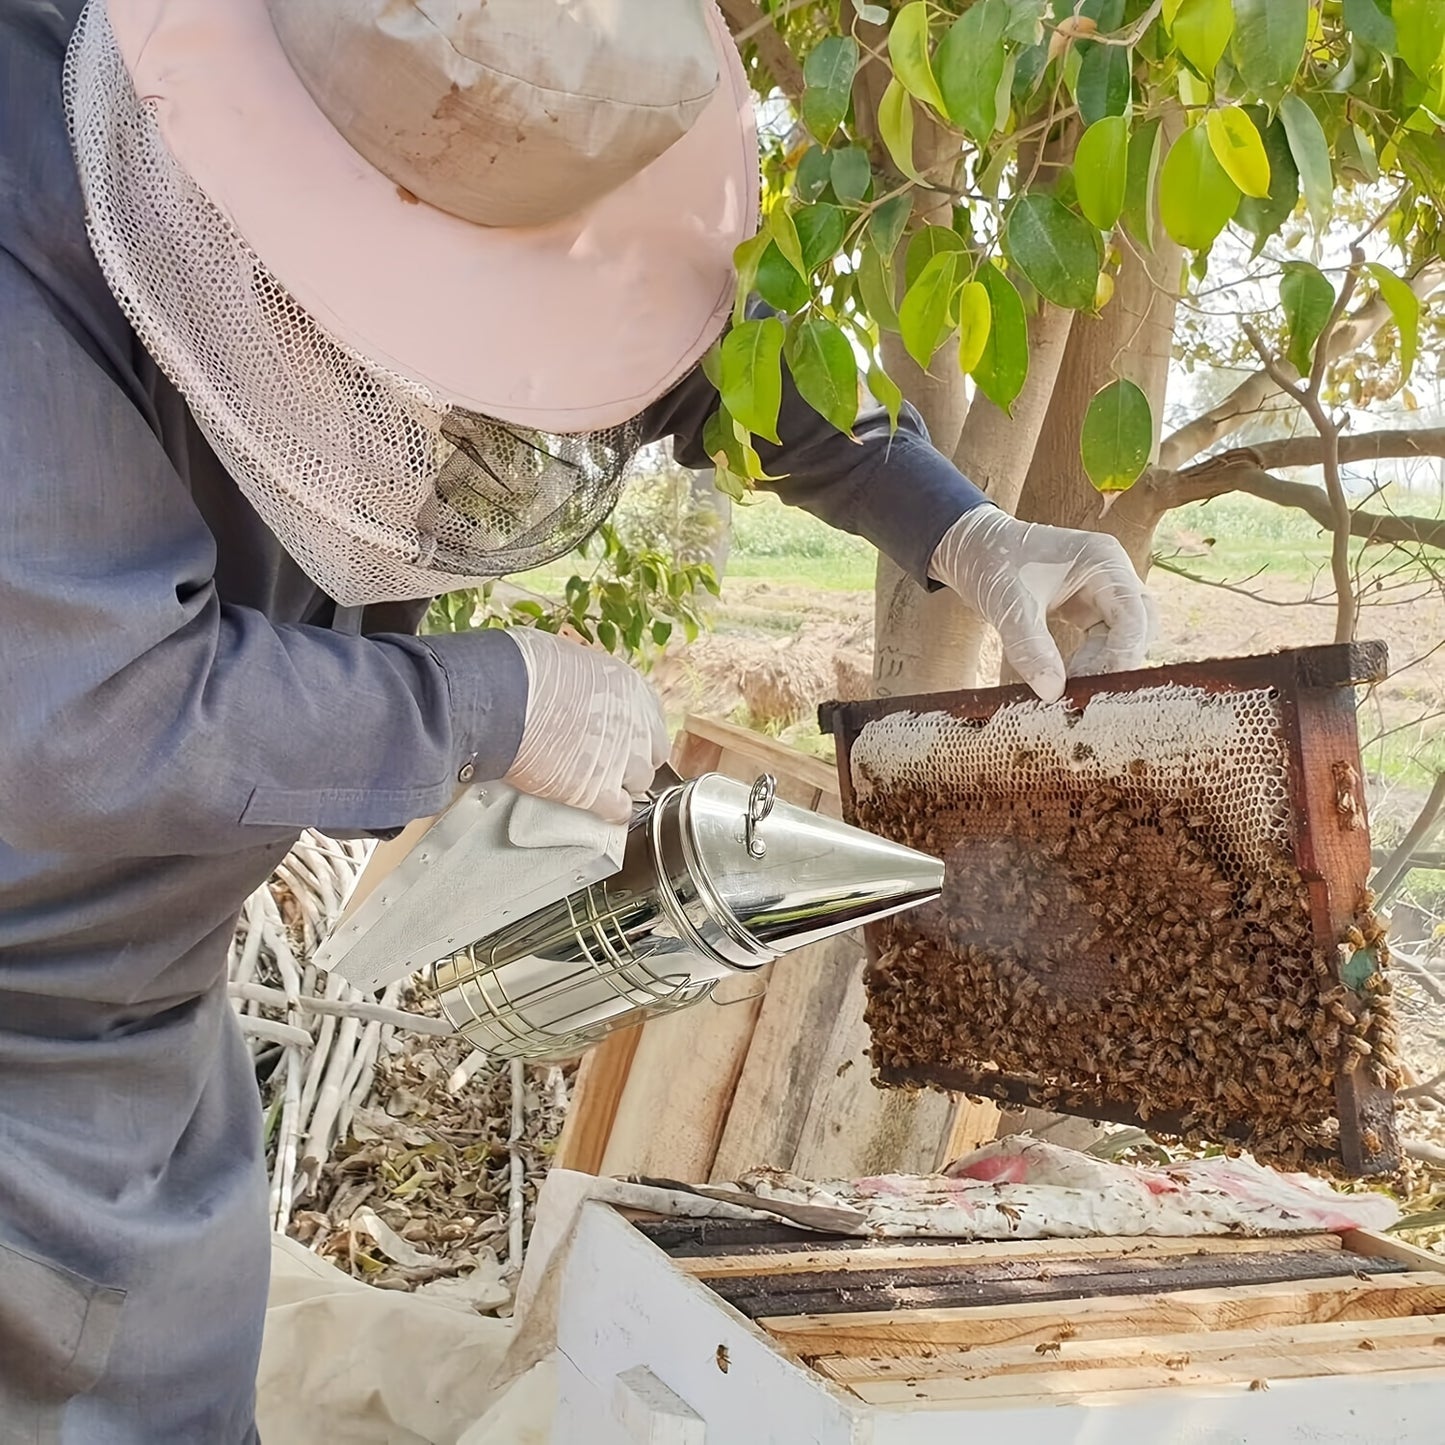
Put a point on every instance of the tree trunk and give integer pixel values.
(1133, 338)
(927, 642)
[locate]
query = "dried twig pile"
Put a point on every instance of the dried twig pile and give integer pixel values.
(394, 1149)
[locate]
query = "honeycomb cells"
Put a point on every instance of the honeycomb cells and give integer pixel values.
(1122, 921)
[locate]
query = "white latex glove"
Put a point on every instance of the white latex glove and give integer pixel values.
(594, 734)
(1016, 574)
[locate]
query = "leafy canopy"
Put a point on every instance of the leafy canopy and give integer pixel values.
(1050, 135)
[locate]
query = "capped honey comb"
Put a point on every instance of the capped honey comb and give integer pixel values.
(1155, 909)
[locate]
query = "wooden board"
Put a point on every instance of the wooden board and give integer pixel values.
(1038, 1322)
(1106, 1381)
(846, 1257)
(679, 1090)
(1002, 1283)
(1250, 1350)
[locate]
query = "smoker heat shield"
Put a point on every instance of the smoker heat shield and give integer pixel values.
(1155, 908)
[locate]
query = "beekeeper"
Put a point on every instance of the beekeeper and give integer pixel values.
(310, 311)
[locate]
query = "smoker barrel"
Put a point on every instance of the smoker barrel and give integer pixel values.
(717, 878)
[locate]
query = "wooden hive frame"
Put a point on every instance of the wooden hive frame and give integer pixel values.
(1331, 850)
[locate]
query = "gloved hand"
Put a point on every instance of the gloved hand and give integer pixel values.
(594, 735)
(1015, 574)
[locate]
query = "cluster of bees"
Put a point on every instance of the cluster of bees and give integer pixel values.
(1112, 946)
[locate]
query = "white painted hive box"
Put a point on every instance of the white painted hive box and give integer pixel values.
(1328, 1341)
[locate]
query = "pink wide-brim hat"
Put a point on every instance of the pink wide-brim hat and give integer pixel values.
(572, 326)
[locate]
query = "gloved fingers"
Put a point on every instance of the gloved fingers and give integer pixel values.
(1030, 650)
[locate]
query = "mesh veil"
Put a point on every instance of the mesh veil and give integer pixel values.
(379, 490)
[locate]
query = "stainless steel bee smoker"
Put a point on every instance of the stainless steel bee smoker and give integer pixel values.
(711, 878)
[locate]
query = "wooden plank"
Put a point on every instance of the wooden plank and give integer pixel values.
(1013, 1281)
(1072, 1384)
(596, 1094)
(789, 1053)
(765, 752)
(1039, 1322)
(1387, 1246)
(1250, 1350)
(851, 1128)
(848, 1256)
(680, 1087)
(975, 1123)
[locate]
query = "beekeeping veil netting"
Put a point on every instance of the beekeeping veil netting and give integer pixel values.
(378, 489)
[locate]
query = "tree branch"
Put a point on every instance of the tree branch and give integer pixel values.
(751, 25)
(1371, 446)
(1399, 865)
(1199, 485)
(1347, 602)
(1251, 395)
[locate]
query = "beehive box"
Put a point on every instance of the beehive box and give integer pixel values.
(1155, 910)
(688, 1333)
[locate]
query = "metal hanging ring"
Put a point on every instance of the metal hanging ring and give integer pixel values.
(760, 804)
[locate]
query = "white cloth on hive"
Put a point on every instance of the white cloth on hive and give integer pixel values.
(1023, 1188)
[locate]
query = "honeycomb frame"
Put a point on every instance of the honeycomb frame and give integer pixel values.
(1156, 907)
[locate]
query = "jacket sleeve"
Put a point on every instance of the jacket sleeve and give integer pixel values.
(896, 490)
(141, 715)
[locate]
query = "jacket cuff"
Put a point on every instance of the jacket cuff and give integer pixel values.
(487, 681)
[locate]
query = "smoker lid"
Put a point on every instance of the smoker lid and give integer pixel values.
(755, 877)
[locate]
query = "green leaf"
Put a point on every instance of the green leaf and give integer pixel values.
(1262, 218)
(779, 284)
(1004, 366)
(886, 393)
(924, 245)
(1101, 170)
(815, 170)
(1405, 308)
(825, 370)
(970, 67)
(1355, 154)
(1307, 298)
(1239, 148)
(752, 376)
(1420, 34)
(785, 236)
(1202, 30)
(975, 318)
(908, 51)
(876, 288)
(888, 223)
(1146, 146)
(1105, 81)
(1269, 43)
(1311, 153)
(895, 125)
(1117, 437)
(872, 14)
(820, 233)
(923, 317)
(851, 173)
(828, 76)
(1366, 21)
(746, 259)
(1060, 253)
(1171, 11)
(1196, 196)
